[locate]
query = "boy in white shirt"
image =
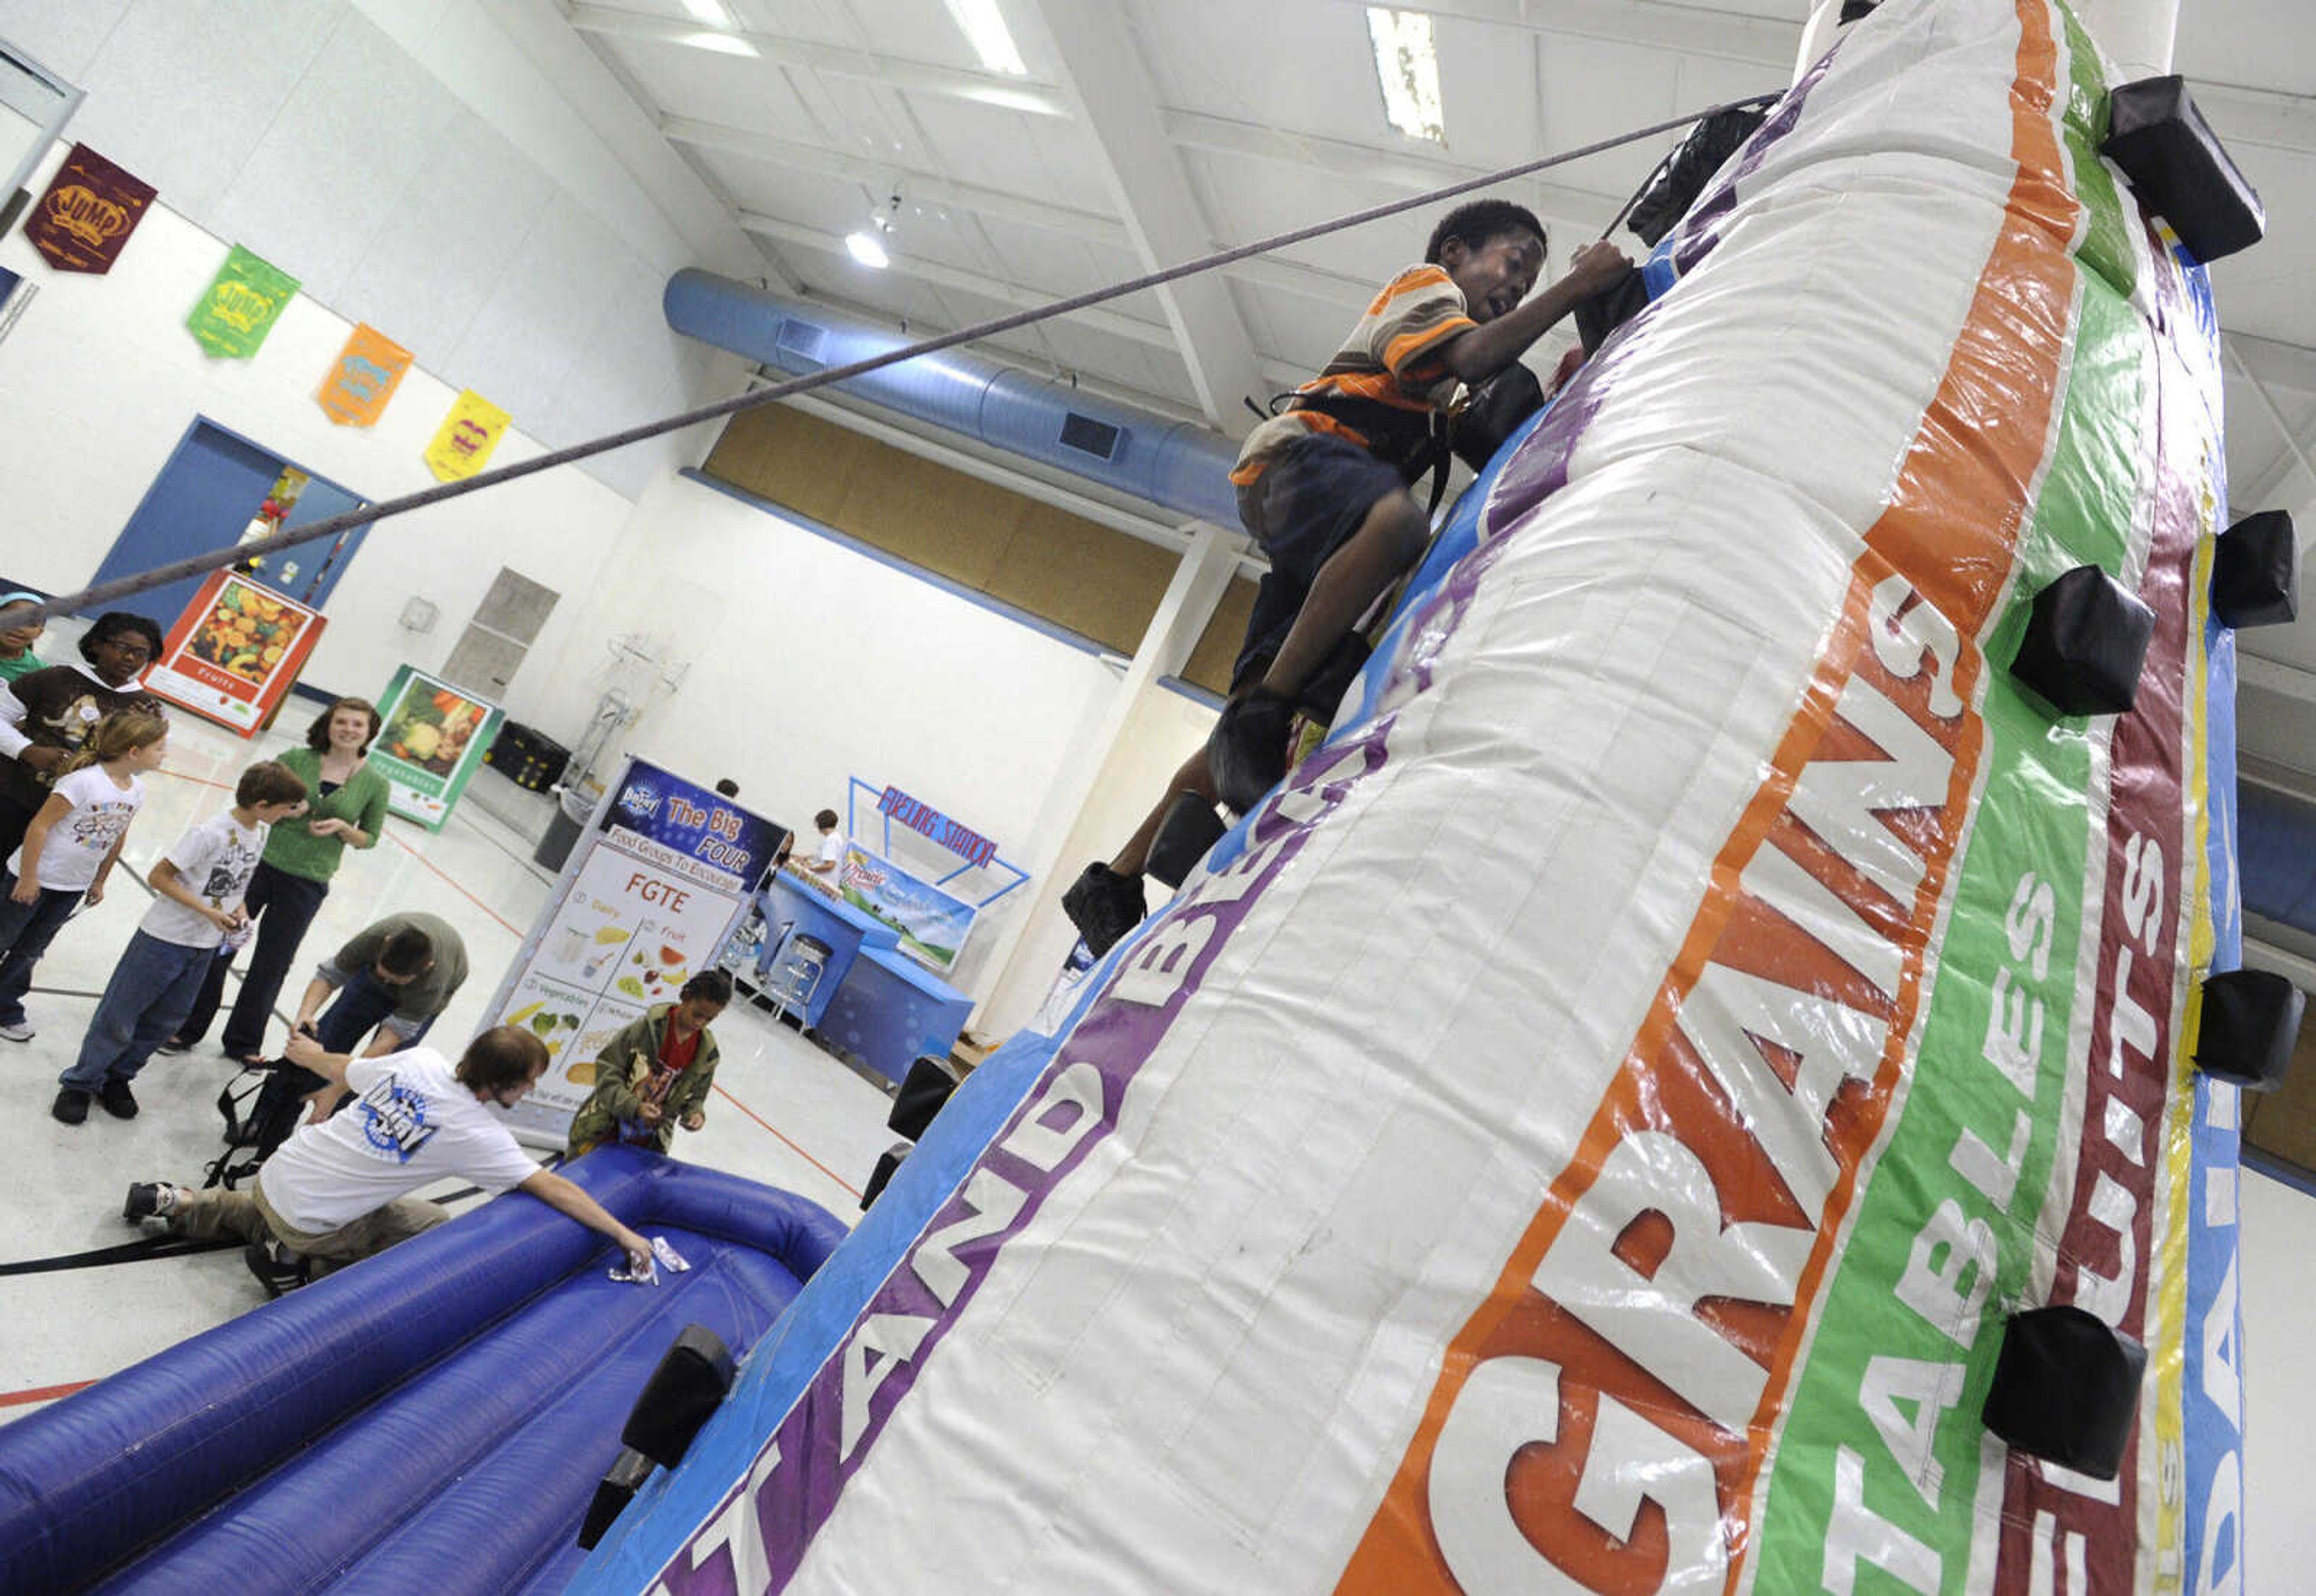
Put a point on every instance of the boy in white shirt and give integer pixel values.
(339, 1189)
(201, 881)
(825, 868)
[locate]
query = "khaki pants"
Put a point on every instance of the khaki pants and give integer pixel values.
(249, 1216)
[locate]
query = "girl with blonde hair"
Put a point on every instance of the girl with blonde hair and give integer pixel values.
(69, 847)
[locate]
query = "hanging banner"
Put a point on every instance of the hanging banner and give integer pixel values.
(85, 220)
(430, 737)
(646, 898)
(462, 445)
(232, 656)
(363, 378)
(240, 305)
(933, 926)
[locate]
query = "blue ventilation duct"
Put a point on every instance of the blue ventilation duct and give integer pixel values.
(1178, 465)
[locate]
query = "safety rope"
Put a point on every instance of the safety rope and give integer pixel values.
(108, 592)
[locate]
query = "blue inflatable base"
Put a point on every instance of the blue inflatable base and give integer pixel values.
(434, 1419)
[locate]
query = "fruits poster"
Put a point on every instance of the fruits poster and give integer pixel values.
(431, 736)
(233, 654)
(632, 928)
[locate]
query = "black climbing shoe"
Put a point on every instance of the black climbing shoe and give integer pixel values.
(1104, 906)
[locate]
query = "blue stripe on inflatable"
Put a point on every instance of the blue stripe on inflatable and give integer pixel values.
(333, 1421)
(2212, 1550)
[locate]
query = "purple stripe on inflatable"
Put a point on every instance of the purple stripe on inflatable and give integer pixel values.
(1702, 224)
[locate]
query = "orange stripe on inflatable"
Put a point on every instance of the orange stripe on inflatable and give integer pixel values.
(1951, 529)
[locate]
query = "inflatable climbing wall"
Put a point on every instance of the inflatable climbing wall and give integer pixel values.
(1590, 1128)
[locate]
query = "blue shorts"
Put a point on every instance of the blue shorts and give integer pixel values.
(1306, 505)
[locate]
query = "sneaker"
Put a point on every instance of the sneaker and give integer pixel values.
(175, 1045)
(71, 1106)
(276, 1267)
(119, 1101)
(1104, 906)
(150, 1200)
(1246, 752)
(17, 1030)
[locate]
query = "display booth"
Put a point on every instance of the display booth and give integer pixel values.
(662, 873)
(894, 928)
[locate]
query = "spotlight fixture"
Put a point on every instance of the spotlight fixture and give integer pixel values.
(871, 246)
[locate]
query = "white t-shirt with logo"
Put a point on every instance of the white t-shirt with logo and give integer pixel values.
(77, 844)
(411, 1124)
(214, 860)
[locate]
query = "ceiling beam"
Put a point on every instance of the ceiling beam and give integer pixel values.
(2258, 115)
(1094, 318)
(1103, 68)
(982, 88)
(925, 188)
(1689, 30)
(2295, 452)
(1587, 212)
(1312, 282)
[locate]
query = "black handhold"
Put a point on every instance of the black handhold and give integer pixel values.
(1191, 828)
(1498, 407)
(2250, 1028)
(2085, 643)
(2256, 572)
(1682, 177)
(888, 1161)
(692, 1378)
(2180, 168)
(617, 1488)
(923, 1090)
(1611, 308)
(2066, 1389)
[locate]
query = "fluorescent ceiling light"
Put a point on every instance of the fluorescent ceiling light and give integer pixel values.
(1408, 68)
(868, 249)
(710, 12)
(985, 28)
(722, 44)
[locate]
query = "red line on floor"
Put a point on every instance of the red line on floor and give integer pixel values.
(799, 1152)
(42, 1393)
(453, 885)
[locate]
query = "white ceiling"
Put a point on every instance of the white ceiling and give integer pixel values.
(1151, 131)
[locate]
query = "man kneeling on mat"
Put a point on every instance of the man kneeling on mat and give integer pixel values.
(339, 1189)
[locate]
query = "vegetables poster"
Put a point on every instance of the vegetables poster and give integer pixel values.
(431, 736)
(233, 654)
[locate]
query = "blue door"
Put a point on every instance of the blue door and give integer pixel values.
(204, 498)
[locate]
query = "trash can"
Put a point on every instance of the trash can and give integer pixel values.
(571, 811)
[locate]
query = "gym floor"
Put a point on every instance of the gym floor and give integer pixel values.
(783, 1112)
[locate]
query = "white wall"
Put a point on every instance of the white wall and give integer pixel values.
(430, 180)
(1161, 731)
(808, 663)
(100, 380)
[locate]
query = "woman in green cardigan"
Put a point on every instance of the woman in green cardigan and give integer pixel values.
(346, 808)
(655, 1074)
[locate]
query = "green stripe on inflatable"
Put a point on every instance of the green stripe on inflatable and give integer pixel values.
(1874, 1356)
(2105, 246)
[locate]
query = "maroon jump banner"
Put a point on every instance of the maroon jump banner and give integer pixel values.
(85, 220)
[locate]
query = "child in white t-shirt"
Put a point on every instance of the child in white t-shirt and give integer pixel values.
(200, 882)
(69, 847)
